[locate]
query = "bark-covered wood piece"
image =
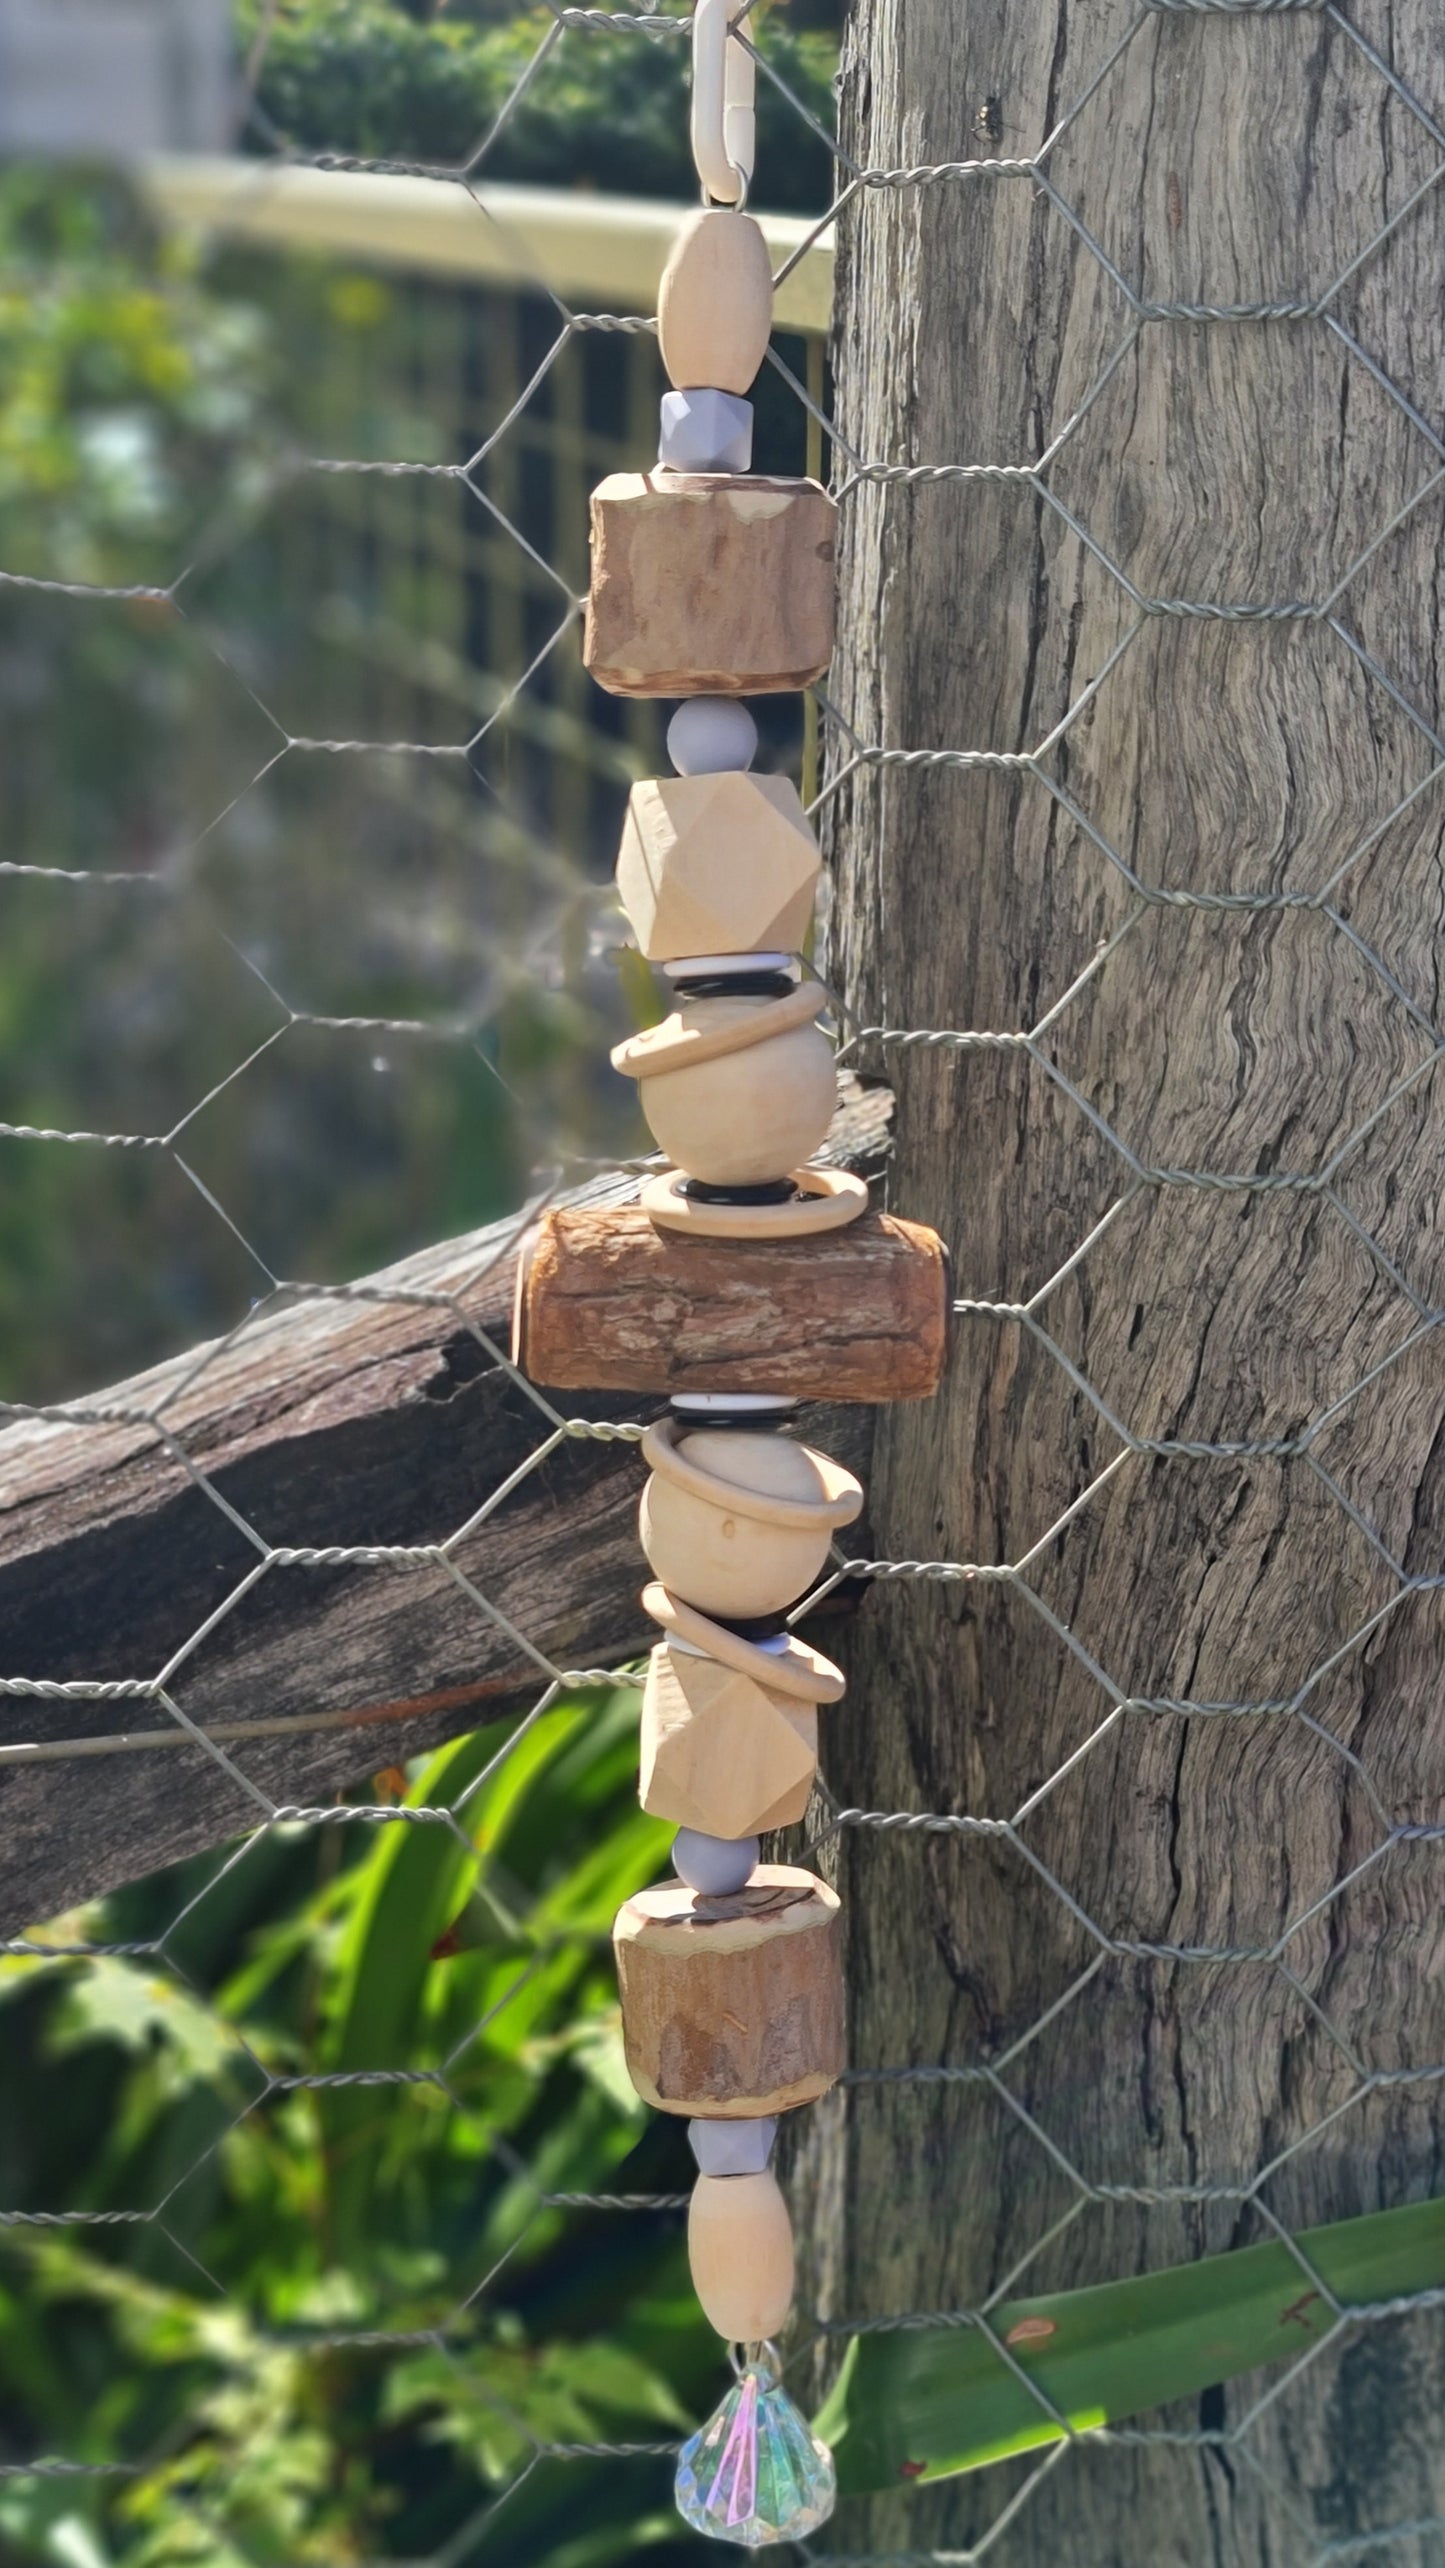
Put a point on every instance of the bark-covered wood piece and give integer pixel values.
(383, 1419)
(720, 1752)
(732, 2007)
(1227, 159)
(608, 1301)
(715, 302)
(709, 584)
(724, 863)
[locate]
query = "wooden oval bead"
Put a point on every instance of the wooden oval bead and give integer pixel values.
(751, 1115)
(717, 1550)
(740, 2249)
(715, 303)
(732, 2008)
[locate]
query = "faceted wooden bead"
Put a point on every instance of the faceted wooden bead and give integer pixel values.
(721, 1753)
(717, 864)
(709, 584)
(740, 2249)
(740, 1524)
(732, 2008)
(749, 1115)
(715, 303)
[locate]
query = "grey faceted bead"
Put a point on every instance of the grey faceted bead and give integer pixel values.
(733, 2148)
(706, 432)
(713, 1865)
(712, 736)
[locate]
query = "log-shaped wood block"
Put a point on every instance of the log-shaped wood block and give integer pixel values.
(709, 584)
(720, 864)
(607, 1301)
(732, 2007)
(721, 1753)
(740, 2250)
(715, 303)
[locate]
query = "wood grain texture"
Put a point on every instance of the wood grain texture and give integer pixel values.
(715, 302)
(608, 1301)
(740, 2252)
(721, 1753)
(732, 2007)
(1222, 160)
(386, 1420)
(709, 584)
(723, 863)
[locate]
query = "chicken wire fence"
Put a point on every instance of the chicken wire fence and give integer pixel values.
(504, 642)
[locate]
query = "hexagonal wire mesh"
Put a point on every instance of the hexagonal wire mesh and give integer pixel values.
(454, 1565)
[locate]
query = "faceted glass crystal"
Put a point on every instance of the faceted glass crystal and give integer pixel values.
(755, 2473)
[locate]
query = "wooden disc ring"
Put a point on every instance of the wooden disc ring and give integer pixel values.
(740, 1524)
(799, 1670)
(825, 1199)
(732, 2008)
(736, 1091)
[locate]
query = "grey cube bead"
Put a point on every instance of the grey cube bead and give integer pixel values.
(713, 1865)
(706, 432)
(733, 2148)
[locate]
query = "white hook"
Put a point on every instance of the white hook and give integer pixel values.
(724, 89)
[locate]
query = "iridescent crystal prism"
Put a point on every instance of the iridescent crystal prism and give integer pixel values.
(755, 2473)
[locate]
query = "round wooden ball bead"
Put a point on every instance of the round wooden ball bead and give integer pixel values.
(740, 2248)
(747, 1116)
(716, 1554)
(715, 303)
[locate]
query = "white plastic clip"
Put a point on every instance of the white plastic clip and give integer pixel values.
(724, 90)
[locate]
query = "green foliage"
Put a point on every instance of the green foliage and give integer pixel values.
(219, 2356)
(366, 77)
(129, 396)
(927, 2405)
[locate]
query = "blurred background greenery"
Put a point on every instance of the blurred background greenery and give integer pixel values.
(363, 988)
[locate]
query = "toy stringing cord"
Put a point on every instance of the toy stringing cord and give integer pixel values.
(711, 583)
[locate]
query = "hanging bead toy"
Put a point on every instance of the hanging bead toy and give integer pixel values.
(710, 583)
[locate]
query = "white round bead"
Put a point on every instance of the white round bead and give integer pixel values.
(711, 736)
(713, 1865)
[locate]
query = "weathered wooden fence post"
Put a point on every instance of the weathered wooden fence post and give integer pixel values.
(1190, 1980)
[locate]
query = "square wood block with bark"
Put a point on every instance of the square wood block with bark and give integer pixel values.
(709, 584)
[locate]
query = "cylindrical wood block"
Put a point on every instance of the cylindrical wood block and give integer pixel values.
(715, 303)
(740, 2249)
(723, 863)
(740, 1524)
(709, 584)
(609, 1301)
(732, 2007)
(744, 1117)
(720, 1752)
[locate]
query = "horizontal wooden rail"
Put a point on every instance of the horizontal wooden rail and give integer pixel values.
(205, 1530)
(600, 253)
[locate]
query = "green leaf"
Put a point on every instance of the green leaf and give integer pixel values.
(928, 2404)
